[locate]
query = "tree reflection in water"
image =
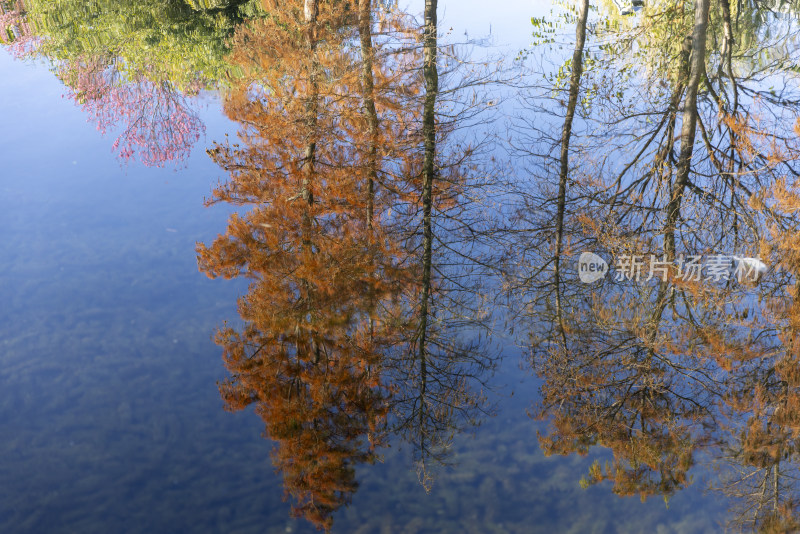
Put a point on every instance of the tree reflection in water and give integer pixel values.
(379, 243)
(339, 162)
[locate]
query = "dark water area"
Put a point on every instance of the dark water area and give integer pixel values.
(121, 412)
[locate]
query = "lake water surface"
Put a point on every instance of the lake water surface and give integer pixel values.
(111, 418)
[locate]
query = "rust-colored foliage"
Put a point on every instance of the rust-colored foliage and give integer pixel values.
(614, 387)
(326, 271)
(658, 372)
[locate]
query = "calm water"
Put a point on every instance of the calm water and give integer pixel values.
(111, 418)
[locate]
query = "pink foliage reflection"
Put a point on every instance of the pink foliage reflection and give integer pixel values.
(157, 122)
(15, 32)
